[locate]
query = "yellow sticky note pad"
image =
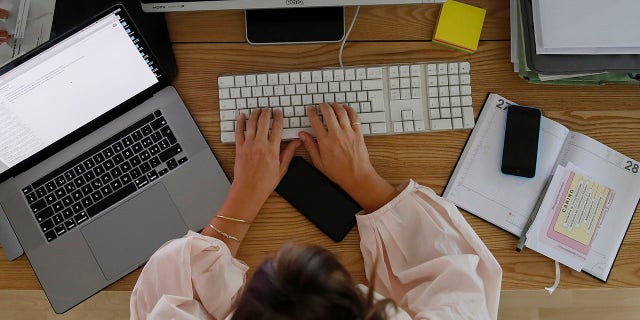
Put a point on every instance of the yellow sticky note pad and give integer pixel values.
(459, 26)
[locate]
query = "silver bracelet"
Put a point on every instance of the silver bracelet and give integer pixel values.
(232, 219)
(224, 234)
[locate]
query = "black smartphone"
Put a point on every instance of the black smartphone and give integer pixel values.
(520, 151)
(327, 206)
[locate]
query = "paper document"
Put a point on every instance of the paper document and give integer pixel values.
(587, 26)
(569, 217)
(29, 23)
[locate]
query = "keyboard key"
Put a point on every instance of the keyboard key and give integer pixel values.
(47, 225)
(172, 164)
(115, 185)
(70, 224)
(50, 236)
(76, 195)
(89, 175)
(86, 201)
(44, 214)
(158, 123)
(81, 217)
(145, 167)
(136, 148)
(184, 159)
(96, 196)
(67, 213)
(146, 130)
(89, 164)
(135, 161)
(125, 178)
(167, 133)
(60, 181)
(57, 219)
(99, 170)
(98, 158)
(137, 136)
(50, 198)
(111, 199)
(41, 192)
(76, 207)
(31, 197)
(118, 159)
(50, 186)
(135, 172)
(69, 187)
(163, 171)
(154, 162)
(38, 205)
(58, 206)
(27, 190)
(169, 153)
(67, 201)
(79, 181)
(108, 152)
(60, 230)
(152, 175)
(117, 147)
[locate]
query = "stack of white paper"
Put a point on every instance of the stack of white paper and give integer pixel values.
(587, 26)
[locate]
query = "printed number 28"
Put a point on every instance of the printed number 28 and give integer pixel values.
(632, 167)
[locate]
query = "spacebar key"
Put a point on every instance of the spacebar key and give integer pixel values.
(111, 199)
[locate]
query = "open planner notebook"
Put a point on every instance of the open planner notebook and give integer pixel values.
(580, 202)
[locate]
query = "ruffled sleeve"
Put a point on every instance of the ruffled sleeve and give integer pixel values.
(194, 277)
(431, 262)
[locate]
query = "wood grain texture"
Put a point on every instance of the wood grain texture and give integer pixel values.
(374, 23)
(204, 44)
(573, 304)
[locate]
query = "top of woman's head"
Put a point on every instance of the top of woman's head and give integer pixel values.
(305, 282)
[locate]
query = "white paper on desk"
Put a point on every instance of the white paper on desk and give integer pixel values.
(587, 26)
(477, 183)
(38, 28)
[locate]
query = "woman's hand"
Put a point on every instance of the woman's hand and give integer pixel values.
(258, 169)
(341, 154)
(259, 164)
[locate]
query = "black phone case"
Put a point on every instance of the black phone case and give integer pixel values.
(326, 205)
(522, 136)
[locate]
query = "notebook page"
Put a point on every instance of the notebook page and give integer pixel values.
(478, 185)
(621, 174)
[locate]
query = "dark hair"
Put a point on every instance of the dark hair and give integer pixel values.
(306, 282)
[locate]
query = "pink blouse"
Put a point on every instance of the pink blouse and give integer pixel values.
(431, 263)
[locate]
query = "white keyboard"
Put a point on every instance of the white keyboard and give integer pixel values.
(389, 99)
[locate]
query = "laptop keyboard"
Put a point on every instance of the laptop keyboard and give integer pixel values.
(82, 188)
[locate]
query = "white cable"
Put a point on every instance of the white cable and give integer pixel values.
(344, 40)
(557, 282)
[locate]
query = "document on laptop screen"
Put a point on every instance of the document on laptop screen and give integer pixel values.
(67, 86)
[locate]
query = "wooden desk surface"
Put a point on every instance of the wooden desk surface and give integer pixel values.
(208, 44)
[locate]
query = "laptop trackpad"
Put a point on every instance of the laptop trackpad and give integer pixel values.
(129, 234)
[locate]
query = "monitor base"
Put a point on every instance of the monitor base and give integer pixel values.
(295, 25)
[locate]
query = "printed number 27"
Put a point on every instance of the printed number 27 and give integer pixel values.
(632, 167)
(502, 105)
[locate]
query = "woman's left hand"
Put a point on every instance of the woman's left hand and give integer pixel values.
(260, 165)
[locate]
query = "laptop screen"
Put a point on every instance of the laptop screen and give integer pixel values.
(70, 84)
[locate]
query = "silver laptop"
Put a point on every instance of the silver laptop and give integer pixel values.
(100, 161)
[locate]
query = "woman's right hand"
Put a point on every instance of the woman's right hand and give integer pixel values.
(341, 154)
